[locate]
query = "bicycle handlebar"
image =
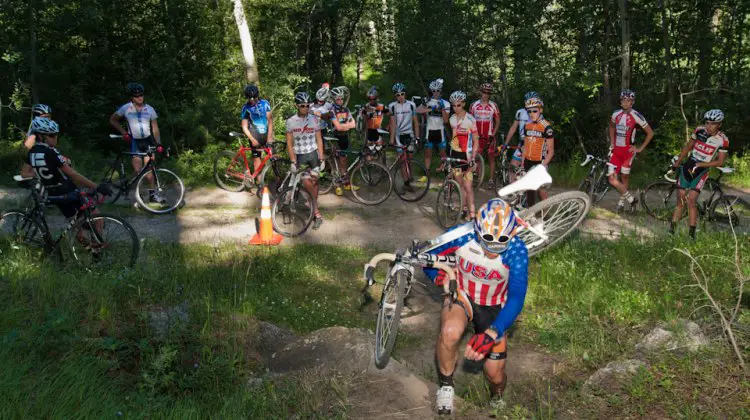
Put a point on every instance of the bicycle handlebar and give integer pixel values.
(450, 272)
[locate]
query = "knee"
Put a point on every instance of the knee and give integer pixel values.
(450, 334)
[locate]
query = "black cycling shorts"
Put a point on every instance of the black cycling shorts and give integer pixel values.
(343, 142)
(372, 134)
(459, 155)
(310, 159)
(528, 164)
(68, 205)
(142, 145)
(481, 318)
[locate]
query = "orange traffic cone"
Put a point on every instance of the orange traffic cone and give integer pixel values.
(265, 235)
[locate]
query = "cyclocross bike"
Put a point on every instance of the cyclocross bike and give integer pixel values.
(371, 182)
(540, 227)
(660, 199)
(504, 169)
(92, 240)
(448, 208)
(596, 183)
(232, 170)
(167, 185)
(404, 168)
(292, 209)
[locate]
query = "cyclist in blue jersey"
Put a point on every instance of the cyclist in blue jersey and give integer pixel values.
(257, 122)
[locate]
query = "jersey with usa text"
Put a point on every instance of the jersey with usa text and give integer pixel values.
(139, 120)
(626, 123)
(707, 147)
(485, 115)
(47, 163)
(484, 279)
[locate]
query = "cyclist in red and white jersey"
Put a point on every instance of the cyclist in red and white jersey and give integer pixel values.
(487, 115)
(622, 127)
(708, 148)
(463, 146)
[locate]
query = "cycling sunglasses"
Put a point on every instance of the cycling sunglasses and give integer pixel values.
(303, 105)
(495, 245)
(138, 95)
(532, 111)
(401, 94)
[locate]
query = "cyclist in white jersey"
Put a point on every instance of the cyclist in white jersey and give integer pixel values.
(438, 112)
(519, 124)
(142, 132)
(322, 108)
(403, 124)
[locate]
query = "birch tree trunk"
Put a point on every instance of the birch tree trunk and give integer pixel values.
(251, 67)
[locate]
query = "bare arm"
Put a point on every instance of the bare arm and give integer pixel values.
(550, 151)
(611, 134)
(290, 147)
(27, 171)
(155, 131)
(76, 177)
(511, 132)
(496, 119)
(246, 130)
(29, 142)
(649, 136)
(114, 120)
(319, 141)
(392, 128)
(269, 118)
(716, 163)
(685, 150)
(415, 125)
(446, 115)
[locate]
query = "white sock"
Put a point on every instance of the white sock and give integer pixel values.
(628, 196)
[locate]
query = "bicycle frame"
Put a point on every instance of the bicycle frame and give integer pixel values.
(150, 166)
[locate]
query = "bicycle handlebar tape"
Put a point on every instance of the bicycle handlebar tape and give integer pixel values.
(265, 235)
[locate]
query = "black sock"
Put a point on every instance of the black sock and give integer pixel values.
(692, 232)
(444, 380)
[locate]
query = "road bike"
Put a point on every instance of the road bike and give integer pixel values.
(232, 170)
(505, 172)
(371, 182)
(91, 239)
(596, 183)
(539, 227)
(659, 199)
(292, 210)
(404, 169)
(167, 193)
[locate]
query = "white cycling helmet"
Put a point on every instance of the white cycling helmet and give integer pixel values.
(339, 92)
(44, 126)
(714, 115)
(495, 225)
(436, 84)
(457, 96)
(323, 93)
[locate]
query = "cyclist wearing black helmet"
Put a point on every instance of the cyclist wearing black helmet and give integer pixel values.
(257, 121)
(142, 132)
(37, 111)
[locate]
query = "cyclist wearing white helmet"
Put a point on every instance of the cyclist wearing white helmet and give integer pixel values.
(59, 178)
(492, 265)
(622, 128)
(403, 123)
(463, 146)
(321, 108)
(519, 124)
(487, 114)
(342, 122)
(142, 132)
(305, 146)
(37, 111)
(708, 148)
(437, 110)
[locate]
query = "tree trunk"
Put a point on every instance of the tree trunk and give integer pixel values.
(251, 67)
(336, 55)
(625, 41)
(32, 53)
(667, 51)
(707, 10)
(606, 83)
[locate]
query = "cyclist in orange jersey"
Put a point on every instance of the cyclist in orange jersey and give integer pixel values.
(539, 143)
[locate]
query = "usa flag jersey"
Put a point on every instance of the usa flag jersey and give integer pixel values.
(485, 280)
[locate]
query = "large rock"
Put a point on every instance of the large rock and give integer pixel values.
(272, 338)
(613, 377)
(680, 335)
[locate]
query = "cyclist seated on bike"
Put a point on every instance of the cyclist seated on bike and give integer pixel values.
(305, 146)
(707, 148)
(539, 143)
(58, 177)
(487, 115)
(322, 108)
(492, 273)
(622, 128)
(403, 124)
(519, 124)
(437, 110)
(37, 111)
(142, 132)
(342, 122)
(257, 122)
(463, 146)
(373, 112)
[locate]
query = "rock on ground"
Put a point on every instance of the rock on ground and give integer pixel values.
(613, 377)
(164, 321)
(679, 335)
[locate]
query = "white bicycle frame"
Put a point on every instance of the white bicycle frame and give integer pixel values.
(534, 179)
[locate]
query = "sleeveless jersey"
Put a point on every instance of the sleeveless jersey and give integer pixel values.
(139, 122)
(485, 115)
(706, 146)
(536, 134)
(464, 132)
(485, 280)
(374, 115)
(303, 131)
(436, 107)
(625, 125)
(402, 112)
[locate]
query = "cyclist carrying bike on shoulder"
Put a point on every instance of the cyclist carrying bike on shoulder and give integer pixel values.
(539, 143)
(322, 108)
(257, 122)
(142, 132)
(519, 125)
(403, 123)
(437, 110)
(305, 146)
(492, 271)
(373, 112)
(342, 121)
(464, 146)
(622, 127)
(707, 148)
(487, 115)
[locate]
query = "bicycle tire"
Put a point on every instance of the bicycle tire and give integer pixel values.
(113, 250)
(371, 183)
(415, 171)
(117, 183)
(478, 178)
(20, 229)
(660, 199)
(448, 207)
(273, 175)
(166, 183)
(502, 178)
(729, 208)
(389, 316)
(292, 216)
(327, 177)
(556, 217)
(229, 172)
(585, 186)
(599, 189)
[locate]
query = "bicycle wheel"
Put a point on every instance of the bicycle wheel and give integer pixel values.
(273, 175)
(327, 177)
(371, 182)
(291, 214)
(229, 171)
(17, 228)
(556, 217)
(501, 176)
(105, 241)
(117, 182)
(389, 316)
(448, 207)
(585, 186)
(660, 199)
(166, 195)
(599, 189)
(730, 209)
(410, 171)
(479, 171)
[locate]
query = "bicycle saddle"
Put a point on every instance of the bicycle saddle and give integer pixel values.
(725, 169)
(536, 178)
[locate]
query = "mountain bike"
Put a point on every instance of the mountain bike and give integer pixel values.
(540, 227)
(168, 190)
(505, 172)
(232, 169)
(660, 199)
(596, 183)
(92, 240)
(292, 209)
(371, 182)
